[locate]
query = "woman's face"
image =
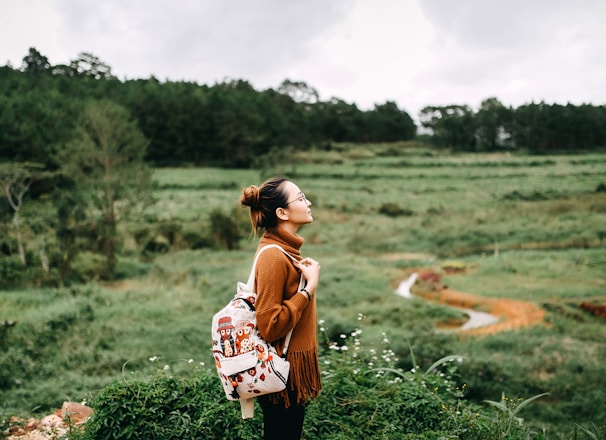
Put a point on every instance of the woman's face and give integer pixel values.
(297, 205)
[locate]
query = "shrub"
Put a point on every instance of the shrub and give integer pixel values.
(88, 266)
(189, 405)
(11, 271)
(224, 229)
(157, 245)
(195, 240)
(454, 266)
(394, 210)
(365, 395)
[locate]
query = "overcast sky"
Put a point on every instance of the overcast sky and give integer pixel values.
(413, 52)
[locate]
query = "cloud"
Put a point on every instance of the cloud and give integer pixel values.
(25, 24)
(413, 52)
(200, 40)
(372, 54)
(518, 50)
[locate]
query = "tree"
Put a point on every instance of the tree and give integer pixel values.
(493, 122)
(237, 120)
(452, 126)
(387, 123)
(89, 65)
(106, 161)
(530, 127)
(299, 91)
(35, 62)
(340, 121)
(74, 231)
(15, 182)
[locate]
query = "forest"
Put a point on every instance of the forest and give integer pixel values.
(230, 124)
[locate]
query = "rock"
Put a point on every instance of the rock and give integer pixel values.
(74, 412)
(51, 421)
(52, 426)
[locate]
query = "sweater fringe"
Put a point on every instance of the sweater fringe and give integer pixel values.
(303, 378)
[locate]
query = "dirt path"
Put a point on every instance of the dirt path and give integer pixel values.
(512, 314)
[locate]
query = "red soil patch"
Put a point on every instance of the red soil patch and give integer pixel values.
(514, 314)
(595, 309)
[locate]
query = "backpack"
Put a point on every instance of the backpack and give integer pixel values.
(247, 365)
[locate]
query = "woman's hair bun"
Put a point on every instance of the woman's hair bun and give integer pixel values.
(250, 197)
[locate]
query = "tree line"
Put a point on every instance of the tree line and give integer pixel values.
(227, 124)
(230, 123)
(534, 127)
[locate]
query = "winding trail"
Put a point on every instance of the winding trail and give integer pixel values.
(512, 314)
(476, 319)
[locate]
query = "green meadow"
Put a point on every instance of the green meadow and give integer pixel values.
(530, 228)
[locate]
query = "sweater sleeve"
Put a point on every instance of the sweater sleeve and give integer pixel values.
(278, 305)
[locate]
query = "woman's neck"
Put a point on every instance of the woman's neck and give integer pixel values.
(288, 227)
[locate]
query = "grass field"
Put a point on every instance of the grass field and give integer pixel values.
(529, 228)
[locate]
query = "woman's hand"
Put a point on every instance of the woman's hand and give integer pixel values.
(310, 269)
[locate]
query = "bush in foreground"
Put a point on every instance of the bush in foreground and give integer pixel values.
(364, 396)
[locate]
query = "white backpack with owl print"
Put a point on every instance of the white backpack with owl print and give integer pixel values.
(248, 365)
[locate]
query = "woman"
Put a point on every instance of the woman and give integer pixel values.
(280, 208)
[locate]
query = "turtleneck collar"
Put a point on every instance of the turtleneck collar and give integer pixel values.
(290, 242)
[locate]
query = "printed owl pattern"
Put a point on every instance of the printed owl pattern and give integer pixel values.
(247, 365)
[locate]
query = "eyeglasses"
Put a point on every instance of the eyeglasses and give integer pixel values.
(300, 197)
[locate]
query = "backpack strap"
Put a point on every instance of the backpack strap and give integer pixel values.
(251, 284)
(247, 408)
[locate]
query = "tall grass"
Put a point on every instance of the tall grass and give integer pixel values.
(524, 227)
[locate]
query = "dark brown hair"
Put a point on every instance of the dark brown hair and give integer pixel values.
(263, 202)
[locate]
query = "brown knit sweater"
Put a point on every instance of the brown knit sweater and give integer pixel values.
(280, 308)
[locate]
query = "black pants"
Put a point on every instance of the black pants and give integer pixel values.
(281, 423)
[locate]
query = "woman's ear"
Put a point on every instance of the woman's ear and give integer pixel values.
(281, 214)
